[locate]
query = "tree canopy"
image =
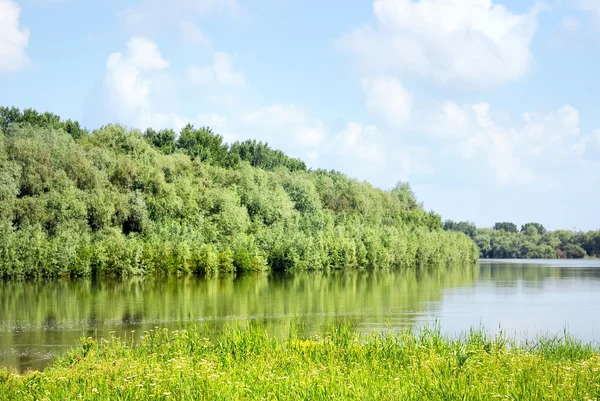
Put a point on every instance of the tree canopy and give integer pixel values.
(533, 241)
(116, 201)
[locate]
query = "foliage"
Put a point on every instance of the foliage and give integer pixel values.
(532, 242)
(259, 154)
(466, 227)
(119, 202)
(540, 229)
(506, 226)
(12, 115)
(247, 363)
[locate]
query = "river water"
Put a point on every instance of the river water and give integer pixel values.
(42, 319)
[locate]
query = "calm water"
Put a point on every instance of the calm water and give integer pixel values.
(39, 320)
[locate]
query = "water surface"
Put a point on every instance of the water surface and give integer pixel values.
(41, 319)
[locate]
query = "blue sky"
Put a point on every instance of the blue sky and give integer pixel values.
(488, 108)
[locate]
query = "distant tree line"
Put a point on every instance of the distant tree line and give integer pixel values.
(532, 241)
(114, 201)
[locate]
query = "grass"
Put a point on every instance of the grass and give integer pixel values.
(249, 364)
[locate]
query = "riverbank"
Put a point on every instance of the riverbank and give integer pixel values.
(116, 202)
(249, 364)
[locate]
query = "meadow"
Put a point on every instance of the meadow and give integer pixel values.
(247, 363)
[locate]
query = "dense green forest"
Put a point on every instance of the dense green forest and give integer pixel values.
(532, 241)
(120, 202)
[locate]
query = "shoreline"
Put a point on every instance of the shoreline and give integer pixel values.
(247, 363)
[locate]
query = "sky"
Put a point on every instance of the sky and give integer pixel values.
(489, 109)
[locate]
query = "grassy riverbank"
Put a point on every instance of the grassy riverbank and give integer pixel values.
(249, 364)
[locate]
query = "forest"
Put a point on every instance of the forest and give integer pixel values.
(118, 201)
(532, 241)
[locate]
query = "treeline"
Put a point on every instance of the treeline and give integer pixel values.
(532, 241)
(122, 202)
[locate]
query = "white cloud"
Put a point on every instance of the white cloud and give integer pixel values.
(279, 121)
(153, 15)
(596, 136)
(570, 25)
(568, 117)
(590, 5)
(473, 41)
(13, 39)
(123, 72)
(311, 136)
(454, 116)
(387, 97)
(129, 83)
(193, 35)
(515, 153)
(156, 120)
(220, 125)
(275, 115)
(361, 142)
(200, 75)
(588, 142)
(221, 72)
(212, 120)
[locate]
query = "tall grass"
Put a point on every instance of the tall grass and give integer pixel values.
(246, 363)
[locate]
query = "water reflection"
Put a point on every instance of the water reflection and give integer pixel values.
(528, 298)
(39, 320)
(43, 318)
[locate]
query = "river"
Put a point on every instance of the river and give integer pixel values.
(39, 320)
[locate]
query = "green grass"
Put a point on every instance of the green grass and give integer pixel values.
(249, 364)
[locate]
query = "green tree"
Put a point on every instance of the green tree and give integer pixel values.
(574, 251)
(120, 202)
(539, 228)
(466, 227)
(506, 226)
(202, 144)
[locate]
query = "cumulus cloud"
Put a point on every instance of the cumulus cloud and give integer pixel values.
(221, 72)
(474, 41)
(129, 83)
(280, 121)
(13, 38)
(220, 125)
(516, 153)
(123, 72)
(193, 35)
(311, 135)
(589, 143)
(387, 97)
(364, 143)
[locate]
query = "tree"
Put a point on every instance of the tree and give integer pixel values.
(259, 154)
(403, 192)
(466, 227)
(119, 202)
(202, 144)
(540, 228)
(574, 251)
(10, 116)
(506, 226)
(163, 139)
